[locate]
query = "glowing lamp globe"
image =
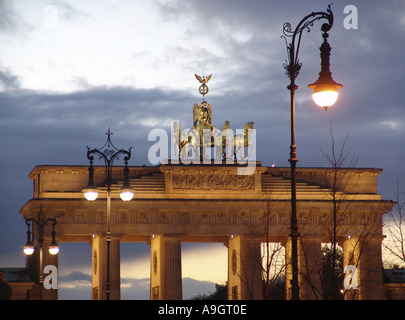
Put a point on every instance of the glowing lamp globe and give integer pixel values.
(90, 194)
(126, 194)
(53, 250)
(325, 95)
(28, 250)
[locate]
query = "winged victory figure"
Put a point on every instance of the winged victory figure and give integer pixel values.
(204, 79)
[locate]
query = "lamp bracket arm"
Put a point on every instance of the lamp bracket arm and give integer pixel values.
(292, 64)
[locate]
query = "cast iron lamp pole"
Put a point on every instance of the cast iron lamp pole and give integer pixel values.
(108, 153)
(325, 95)
(29, 247)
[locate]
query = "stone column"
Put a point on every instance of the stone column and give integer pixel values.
(371, 269)
(288, 270)
(362, 262)
(351, 266)
(50, 264)
(309, 268)
(244, 269)
(166, 280)
(99, 268)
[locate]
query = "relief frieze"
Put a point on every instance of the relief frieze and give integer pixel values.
(204, 218)
(243, 217)
(207, 216)
(123, 217)
(223, 218)
(164, 217)
(143, 217)
(100, 217)
(81, 217)
(183, 217)
(214, 182)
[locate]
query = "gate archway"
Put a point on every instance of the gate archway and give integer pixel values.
(212, 203)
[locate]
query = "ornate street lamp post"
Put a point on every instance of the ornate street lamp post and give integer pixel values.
(325, 95)
(109, 153)
(29, 247)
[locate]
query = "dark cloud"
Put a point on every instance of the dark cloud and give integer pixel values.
(241, 45)
(77, 286)
(53, 128)
(193, 287)
(8, 80)
(77, 276)
(9, 16)
(11, 21)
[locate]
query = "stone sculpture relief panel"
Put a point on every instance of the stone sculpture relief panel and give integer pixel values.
(213, 182)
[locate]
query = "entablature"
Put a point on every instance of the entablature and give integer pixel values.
(210, 182)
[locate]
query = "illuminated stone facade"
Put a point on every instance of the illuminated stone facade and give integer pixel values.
(212, 203)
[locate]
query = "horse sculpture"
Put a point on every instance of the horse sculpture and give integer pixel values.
(184, 141)
(245, 140)
(196, 140)
(204, 134)
(223, 141)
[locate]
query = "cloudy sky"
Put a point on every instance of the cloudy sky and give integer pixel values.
(71, 69)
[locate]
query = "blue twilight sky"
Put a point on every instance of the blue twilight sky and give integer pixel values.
(71, 69)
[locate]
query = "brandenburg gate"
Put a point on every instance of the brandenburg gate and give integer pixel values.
(213, 202)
